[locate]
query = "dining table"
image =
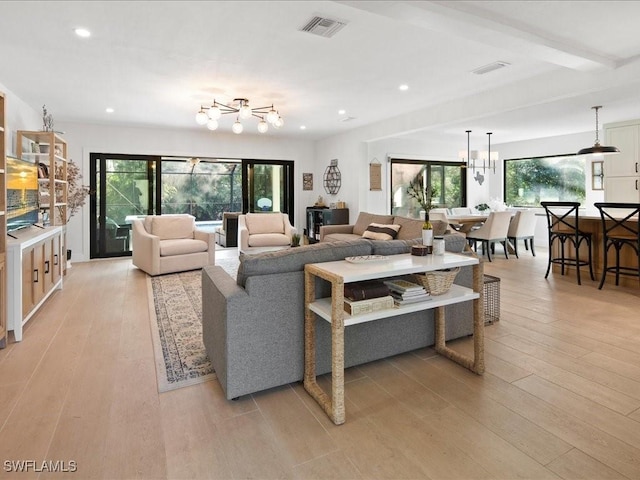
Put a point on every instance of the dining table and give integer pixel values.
(467, 221)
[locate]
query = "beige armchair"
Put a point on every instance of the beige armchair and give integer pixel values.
(264, 231)
(171, 243)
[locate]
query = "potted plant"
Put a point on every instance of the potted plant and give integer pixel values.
(423, 194)
(295, 240)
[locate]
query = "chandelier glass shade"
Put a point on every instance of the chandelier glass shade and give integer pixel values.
(597, 148)
(210, 115)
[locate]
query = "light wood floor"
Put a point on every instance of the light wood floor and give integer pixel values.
(560, 398)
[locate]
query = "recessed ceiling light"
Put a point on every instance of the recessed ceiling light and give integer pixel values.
(403, 87)
(302, 127)
(341, 112)
(82, 32)
(109, 110)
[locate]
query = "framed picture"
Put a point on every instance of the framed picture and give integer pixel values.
(307, 181)
(597, 175)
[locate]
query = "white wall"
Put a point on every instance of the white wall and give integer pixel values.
(19, 116)
(84, 139)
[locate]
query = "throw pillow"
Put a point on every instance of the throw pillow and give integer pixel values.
(380, 231)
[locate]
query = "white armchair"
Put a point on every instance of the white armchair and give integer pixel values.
(171, 243)
(264, 231)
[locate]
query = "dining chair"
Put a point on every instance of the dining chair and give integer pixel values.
(522, 227)
(461, 211)
(564, 228)
(494, 230)
(620, 227)
(441, 214)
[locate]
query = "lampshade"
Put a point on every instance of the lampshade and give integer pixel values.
(214, 112)
(597, 148)
(263, 126)
(237, 127)
(212, 124)
(201, 117)
(245, 111)
(272, 116)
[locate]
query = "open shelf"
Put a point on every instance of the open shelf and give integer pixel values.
(457, 294)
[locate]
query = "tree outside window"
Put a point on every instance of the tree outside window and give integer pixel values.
(529, 181)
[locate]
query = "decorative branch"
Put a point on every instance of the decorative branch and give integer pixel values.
(423, 195)
(76, 192)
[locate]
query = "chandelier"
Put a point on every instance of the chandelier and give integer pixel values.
(488, 157)
(240, 106)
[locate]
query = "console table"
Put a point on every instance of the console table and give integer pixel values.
(332, 309)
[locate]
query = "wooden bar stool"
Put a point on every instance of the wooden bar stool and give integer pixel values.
(563, 226)
(618, 231)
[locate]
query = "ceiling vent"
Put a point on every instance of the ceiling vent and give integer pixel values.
(325, 27)
(490, 68)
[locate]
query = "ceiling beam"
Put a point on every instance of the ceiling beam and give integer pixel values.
(467, 20)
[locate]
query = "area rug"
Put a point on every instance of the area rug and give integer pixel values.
(175, 308)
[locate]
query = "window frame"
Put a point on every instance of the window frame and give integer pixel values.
(429, 164)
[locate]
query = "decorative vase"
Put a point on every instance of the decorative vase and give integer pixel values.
(427, 231)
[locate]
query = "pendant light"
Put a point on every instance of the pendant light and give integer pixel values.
(597, 148)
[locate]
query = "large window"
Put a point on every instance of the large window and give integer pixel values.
(448, 184)
(528, 181)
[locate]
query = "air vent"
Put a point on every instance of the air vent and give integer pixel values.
(347, 119)
(490, 68)
(325, 27)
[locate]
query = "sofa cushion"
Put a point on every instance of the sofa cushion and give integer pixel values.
(172, 226)
(365, 219)
(294, 259)
(264, 223)
(268, 239)
(381, 231)
(410, 227)
(393, 247)
(340, 237)
(455, 242)
(169, 248)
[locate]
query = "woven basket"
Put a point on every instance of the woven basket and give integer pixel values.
(439, 281)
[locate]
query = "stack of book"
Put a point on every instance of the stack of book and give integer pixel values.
(404, 292)
(366, 297)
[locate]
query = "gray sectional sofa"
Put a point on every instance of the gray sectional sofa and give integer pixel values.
(253, 327)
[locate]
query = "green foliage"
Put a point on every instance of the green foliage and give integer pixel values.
(205, 191)
(530, 181)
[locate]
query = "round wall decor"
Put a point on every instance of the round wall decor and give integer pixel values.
(332, 178)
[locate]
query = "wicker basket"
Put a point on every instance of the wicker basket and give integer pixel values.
(438, 281)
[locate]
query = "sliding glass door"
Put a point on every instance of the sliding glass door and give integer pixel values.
(125, 188)
(130, 186)
(447, 180)
(268, 187)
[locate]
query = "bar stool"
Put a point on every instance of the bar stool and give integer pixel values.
(563, 226)
(618, 231)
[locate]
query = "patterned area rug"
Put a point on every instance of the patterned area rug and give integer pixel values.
(176, 323)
